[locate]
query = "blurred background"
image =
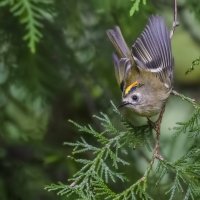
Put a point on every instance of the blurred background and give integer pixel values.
(71, 76)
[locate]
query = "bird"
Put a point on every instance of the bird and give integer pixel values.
(144, 72)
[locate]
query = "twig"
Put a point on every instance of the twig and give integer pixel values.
(157, 125)
(156, 152)
(175, 22)
(157, 129)
(192, 101)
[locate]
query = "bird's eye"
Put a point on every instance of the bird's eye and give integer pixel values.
(135, 97)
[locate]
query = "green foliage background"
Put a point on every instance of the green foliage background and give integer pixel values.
(55, 64)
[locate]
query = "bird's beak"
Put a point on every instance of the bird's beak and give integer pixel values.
(124, 103)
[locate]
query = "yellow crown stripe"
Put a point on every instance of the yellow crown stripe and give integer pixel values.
(132, 85)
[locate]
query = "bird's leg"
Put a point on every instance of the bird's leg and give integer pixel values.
(156, 126)
(157, 129)
(175, 21)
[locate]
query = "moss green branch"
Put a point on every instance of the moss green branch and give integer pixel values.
(190, 100)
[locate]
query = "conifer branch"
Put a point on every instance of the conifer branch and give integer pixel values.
(30, 14)
(135, 6)
(93, 179)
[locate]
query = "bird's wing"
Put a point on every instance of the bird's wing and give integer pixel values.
(152, 49)
(118, 42)
(122, 59)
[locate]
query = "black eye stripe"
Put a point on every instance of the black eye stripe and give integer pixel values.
(122, 85)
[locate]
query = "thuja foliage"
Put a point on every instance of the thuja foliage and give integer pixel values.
(104, 167)
(195, 63)
(30, 13)
(135, 6)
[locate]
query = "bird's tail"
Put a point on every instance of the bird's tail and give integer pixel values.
(118, 42)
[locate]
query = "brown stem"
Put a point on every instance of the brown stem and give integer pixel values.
(175, 22)
(157, 129)
(156, 126)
